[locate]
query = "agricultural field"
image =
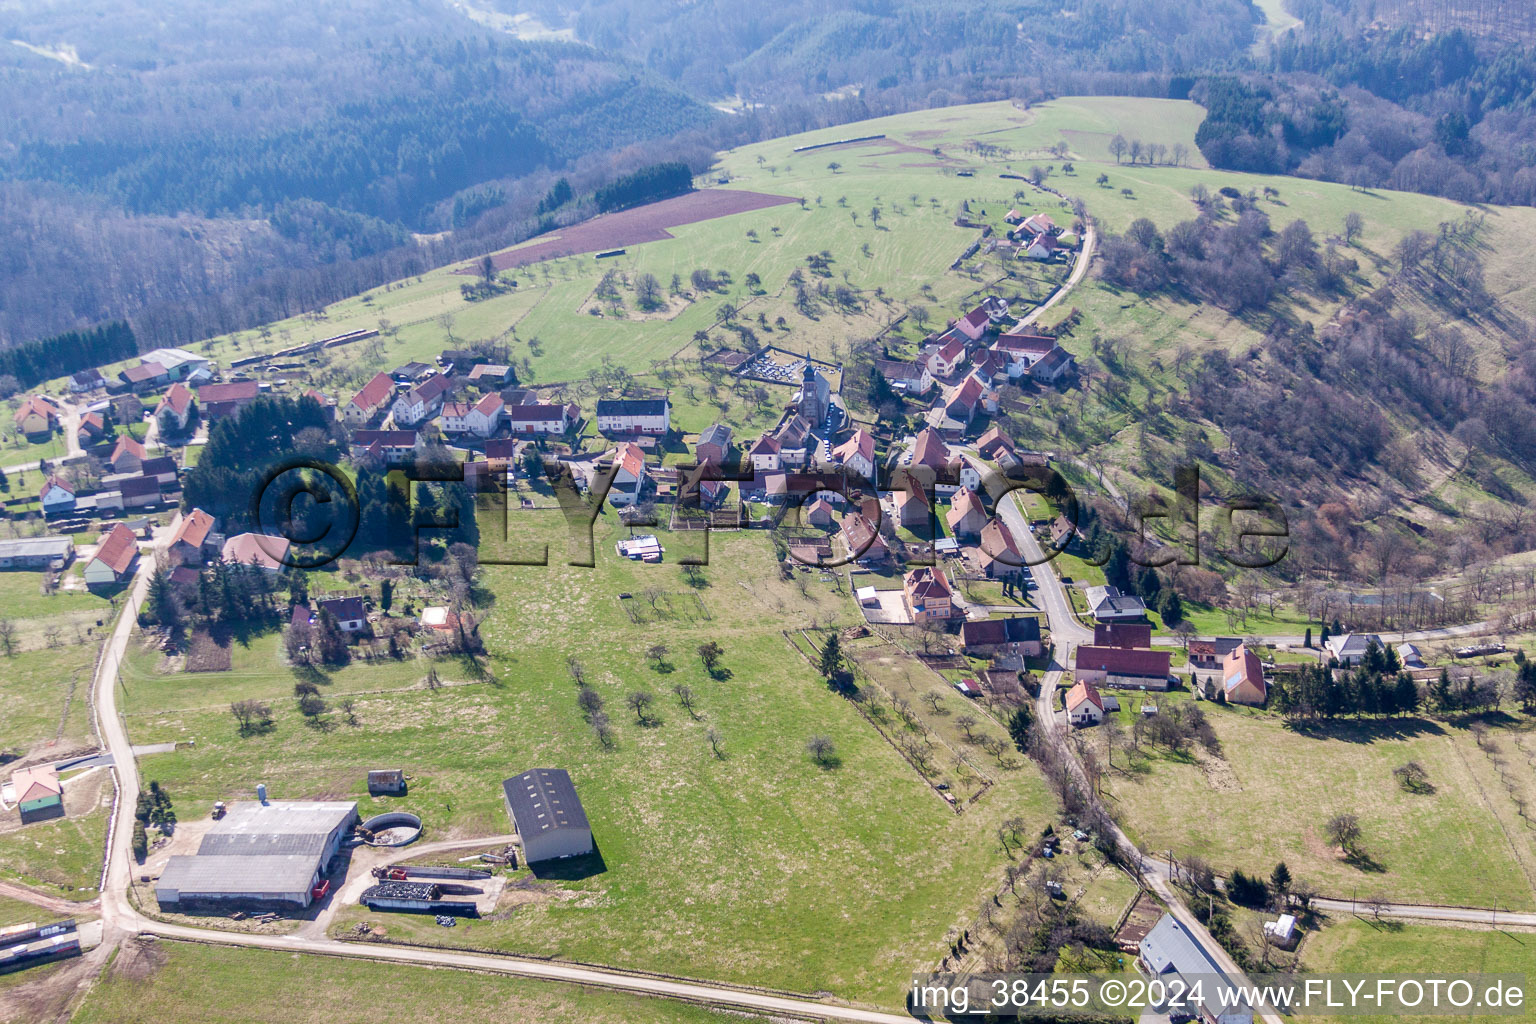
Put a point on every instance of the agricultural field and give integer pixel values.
(757, 822)
(154, 982)
(1268, 794)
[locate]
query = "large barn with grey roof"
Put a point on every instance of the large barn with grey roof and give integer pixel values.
(547, 814)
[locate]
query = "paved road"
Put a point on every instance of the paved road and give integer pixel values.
(1409, 911)
(1066, 633)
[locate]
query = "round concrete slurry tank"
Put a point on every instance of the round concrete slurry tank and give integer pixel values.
(393, 828)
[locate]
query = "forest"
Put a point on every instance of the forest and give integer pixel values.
(265, 159)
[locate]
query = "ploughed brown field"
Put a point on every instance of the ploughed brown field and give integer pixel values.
(647, 223)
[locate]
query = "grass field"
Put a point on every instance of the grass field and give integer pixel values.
(719, 867)
(1362, 946)
(189, 983)
(44, 698)
(62, 856)
(1267, 798)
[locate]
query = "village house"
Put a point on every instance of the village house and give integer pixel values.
(93, 428)
(862, 539)
(960, 405)
(910, 500)
(993, 443)
(819, 513)
(190, 537)
(908, 378)
(1000, 557)
(537, 418)
(974, 324)
(1107, 604)
(857, 454)
(967, 514)
(1084, 705)
(348, 612)
(928, 594)
(1039, 223)
(929, 449)
(265, 552)
(114, 558)
(1040, 247)
(764, 454)
(629, 476)
(1019, 634)
(1242, 677)
(220, 401)
(176, 409)
(795, 440)
(1348, 649)
(82, 381)
(1019, 352)
(482, 419)
(57, 496)
(945, 360)
(36, 417)
(127, 455)
(1055, 366)
(617, 417)
(1209, 654)
(323, 400)
(422, 402)
(1122, 667)
(368, 405)
(394, 447)
(713, 445)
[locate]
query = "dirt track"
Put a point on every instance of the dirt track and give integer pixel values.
(647, 223)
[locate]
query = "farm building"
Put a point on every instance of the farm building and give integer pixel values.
(38, 793)
(620, 416)
(1171, 954)
(25, 944)
(389, 781)
(259, 856)
(36, 553)
(1123, 666)
(1019, 634)
(547, 814)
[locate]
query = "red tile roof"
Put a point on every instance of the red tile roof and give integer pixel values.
(233, 391)
(117, 551)
(37, 404)
(1084, 691)
(629, 458)
(193, 529)
(126, 445)
(927, 582)
(861, 443)
(978, 317)
(930, 450)
(375, 393)
(178, 399)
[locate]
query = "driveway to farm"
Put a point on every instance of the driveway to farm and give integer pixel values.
(1079, 271)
